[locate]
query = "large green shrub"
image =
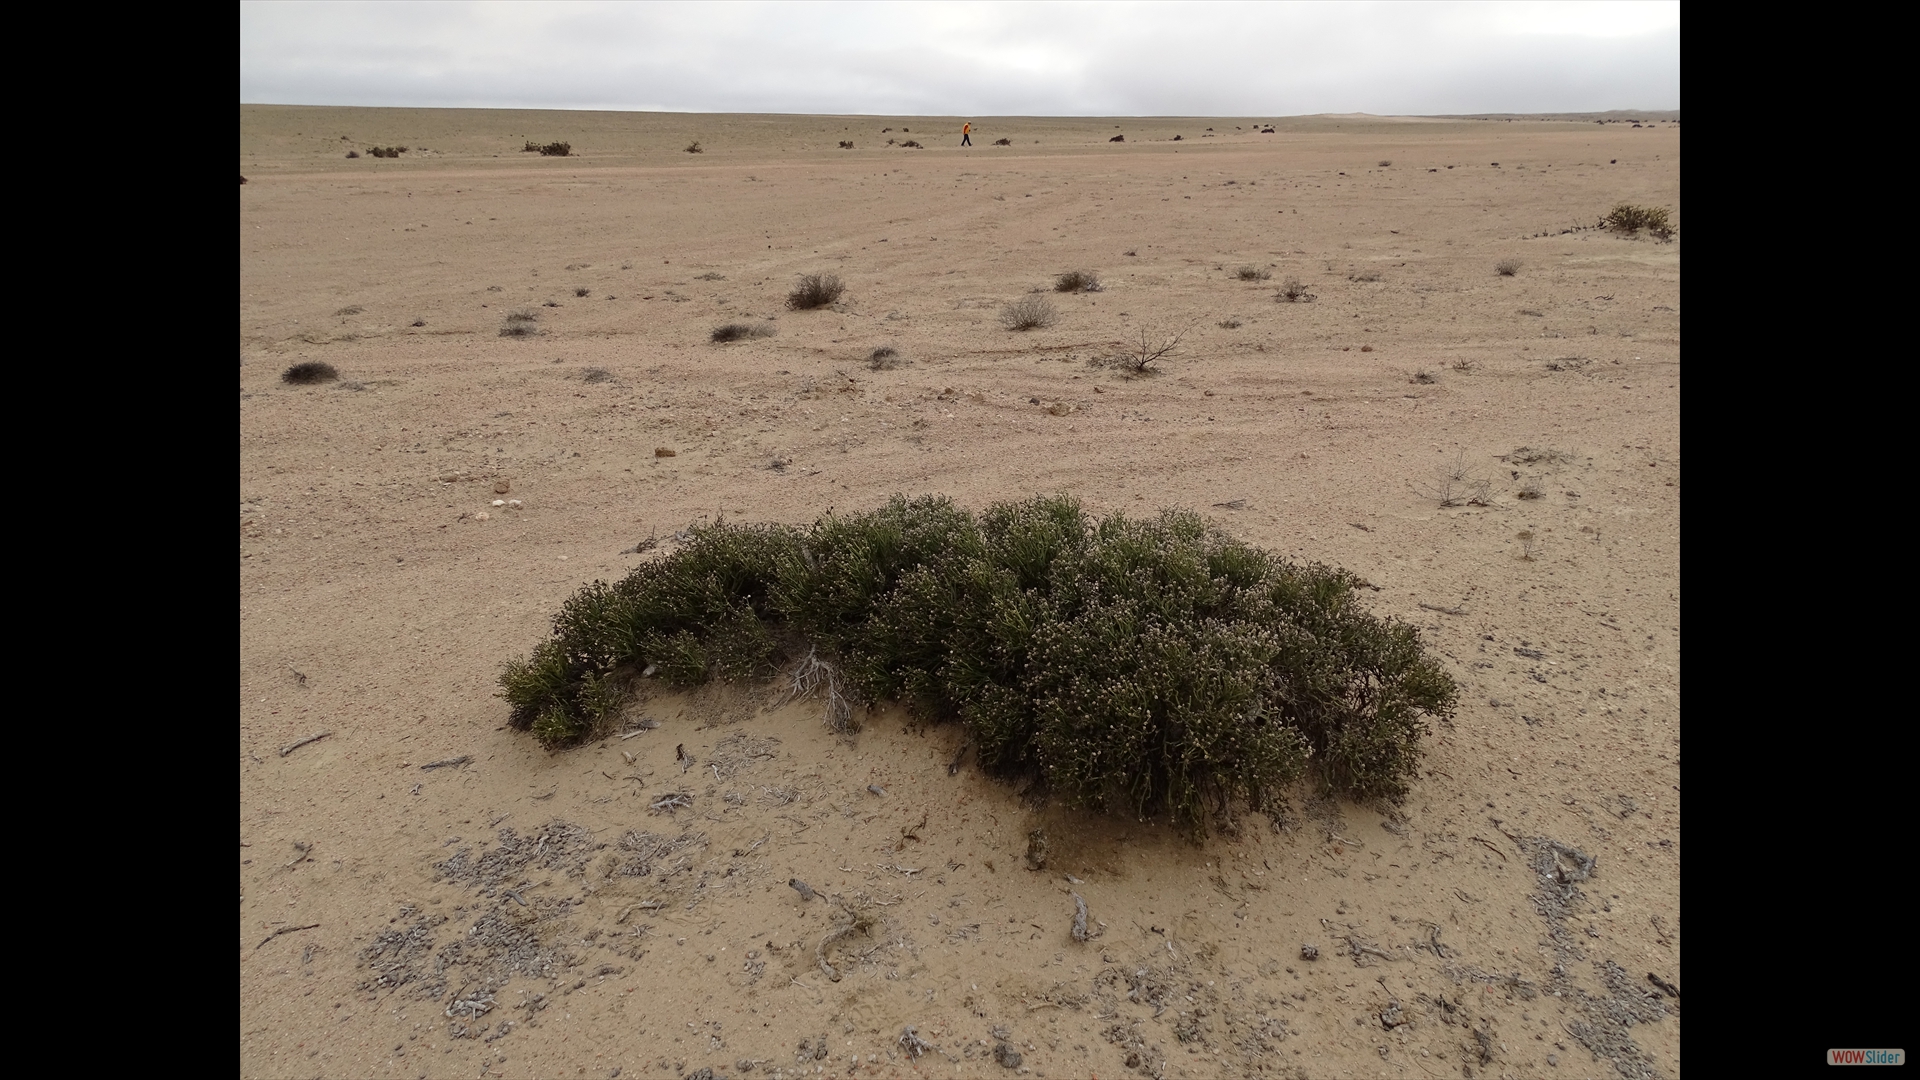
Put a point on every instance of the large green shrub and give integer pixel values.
(1143, 666)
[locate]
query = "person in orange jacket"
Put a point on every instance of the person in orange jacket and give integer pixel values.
(966, 134)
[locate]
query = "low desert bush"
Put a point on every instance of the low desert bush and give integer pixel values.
(1230, 324)
(353, 153)
(1147, 347)
(815, 291)
(309, 372)
(1077, 281)
(694, 148)
(556, 149)
(1424, 377)
(1293, 291)
(596, 375)
(885, 358)
(1364, 275)
(1118, 138)
(739, 331)
(1252, 273)
(1507, 267)
(1456, 485)
(581, 290)
(521, 323)
(1134, 665)
(1028, 313)
(386, 151)
(1003, 142)
(1628, 218)
(845, 144)
(911, 144)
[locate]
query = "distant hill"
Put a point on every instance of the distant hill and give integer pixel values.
(1616, 116)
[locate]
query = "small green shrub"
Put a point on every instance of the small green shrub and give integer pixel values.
(309, 372)
(1135, 665)
(1628, 218)
(521, 323)
(741, 332)
(1077, 281)
(815, 291)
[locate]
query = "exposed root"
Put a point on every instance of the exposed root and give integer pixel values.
(810, 675)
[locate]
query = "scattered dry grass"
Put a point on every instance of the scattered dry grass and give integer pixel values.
(1028, 313)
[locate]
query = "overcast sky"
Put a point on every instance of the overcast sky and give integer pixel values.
(951, 59)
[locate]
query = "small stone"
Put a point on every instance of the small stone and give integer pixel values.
(501, 487)
(662, 451)
(482, 516)
(1007, 1056)
(1553, 1059)
(1309, 952)
(1060, 408)
(499, 502)
(514, 504)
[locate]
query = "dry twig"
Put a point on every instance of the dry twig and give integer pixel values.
(313, 926)
(298, 743)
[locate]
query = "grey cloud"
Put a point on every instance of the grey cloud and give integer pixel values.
(1182, 59)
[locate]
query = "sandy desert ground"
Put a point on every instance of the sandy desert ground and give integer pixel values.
(525, 913)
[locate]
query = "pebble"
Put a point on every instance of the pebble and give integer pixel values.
(501, 487)
(514, 504)
(499, 502)
(482, 516)
(662, 451)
